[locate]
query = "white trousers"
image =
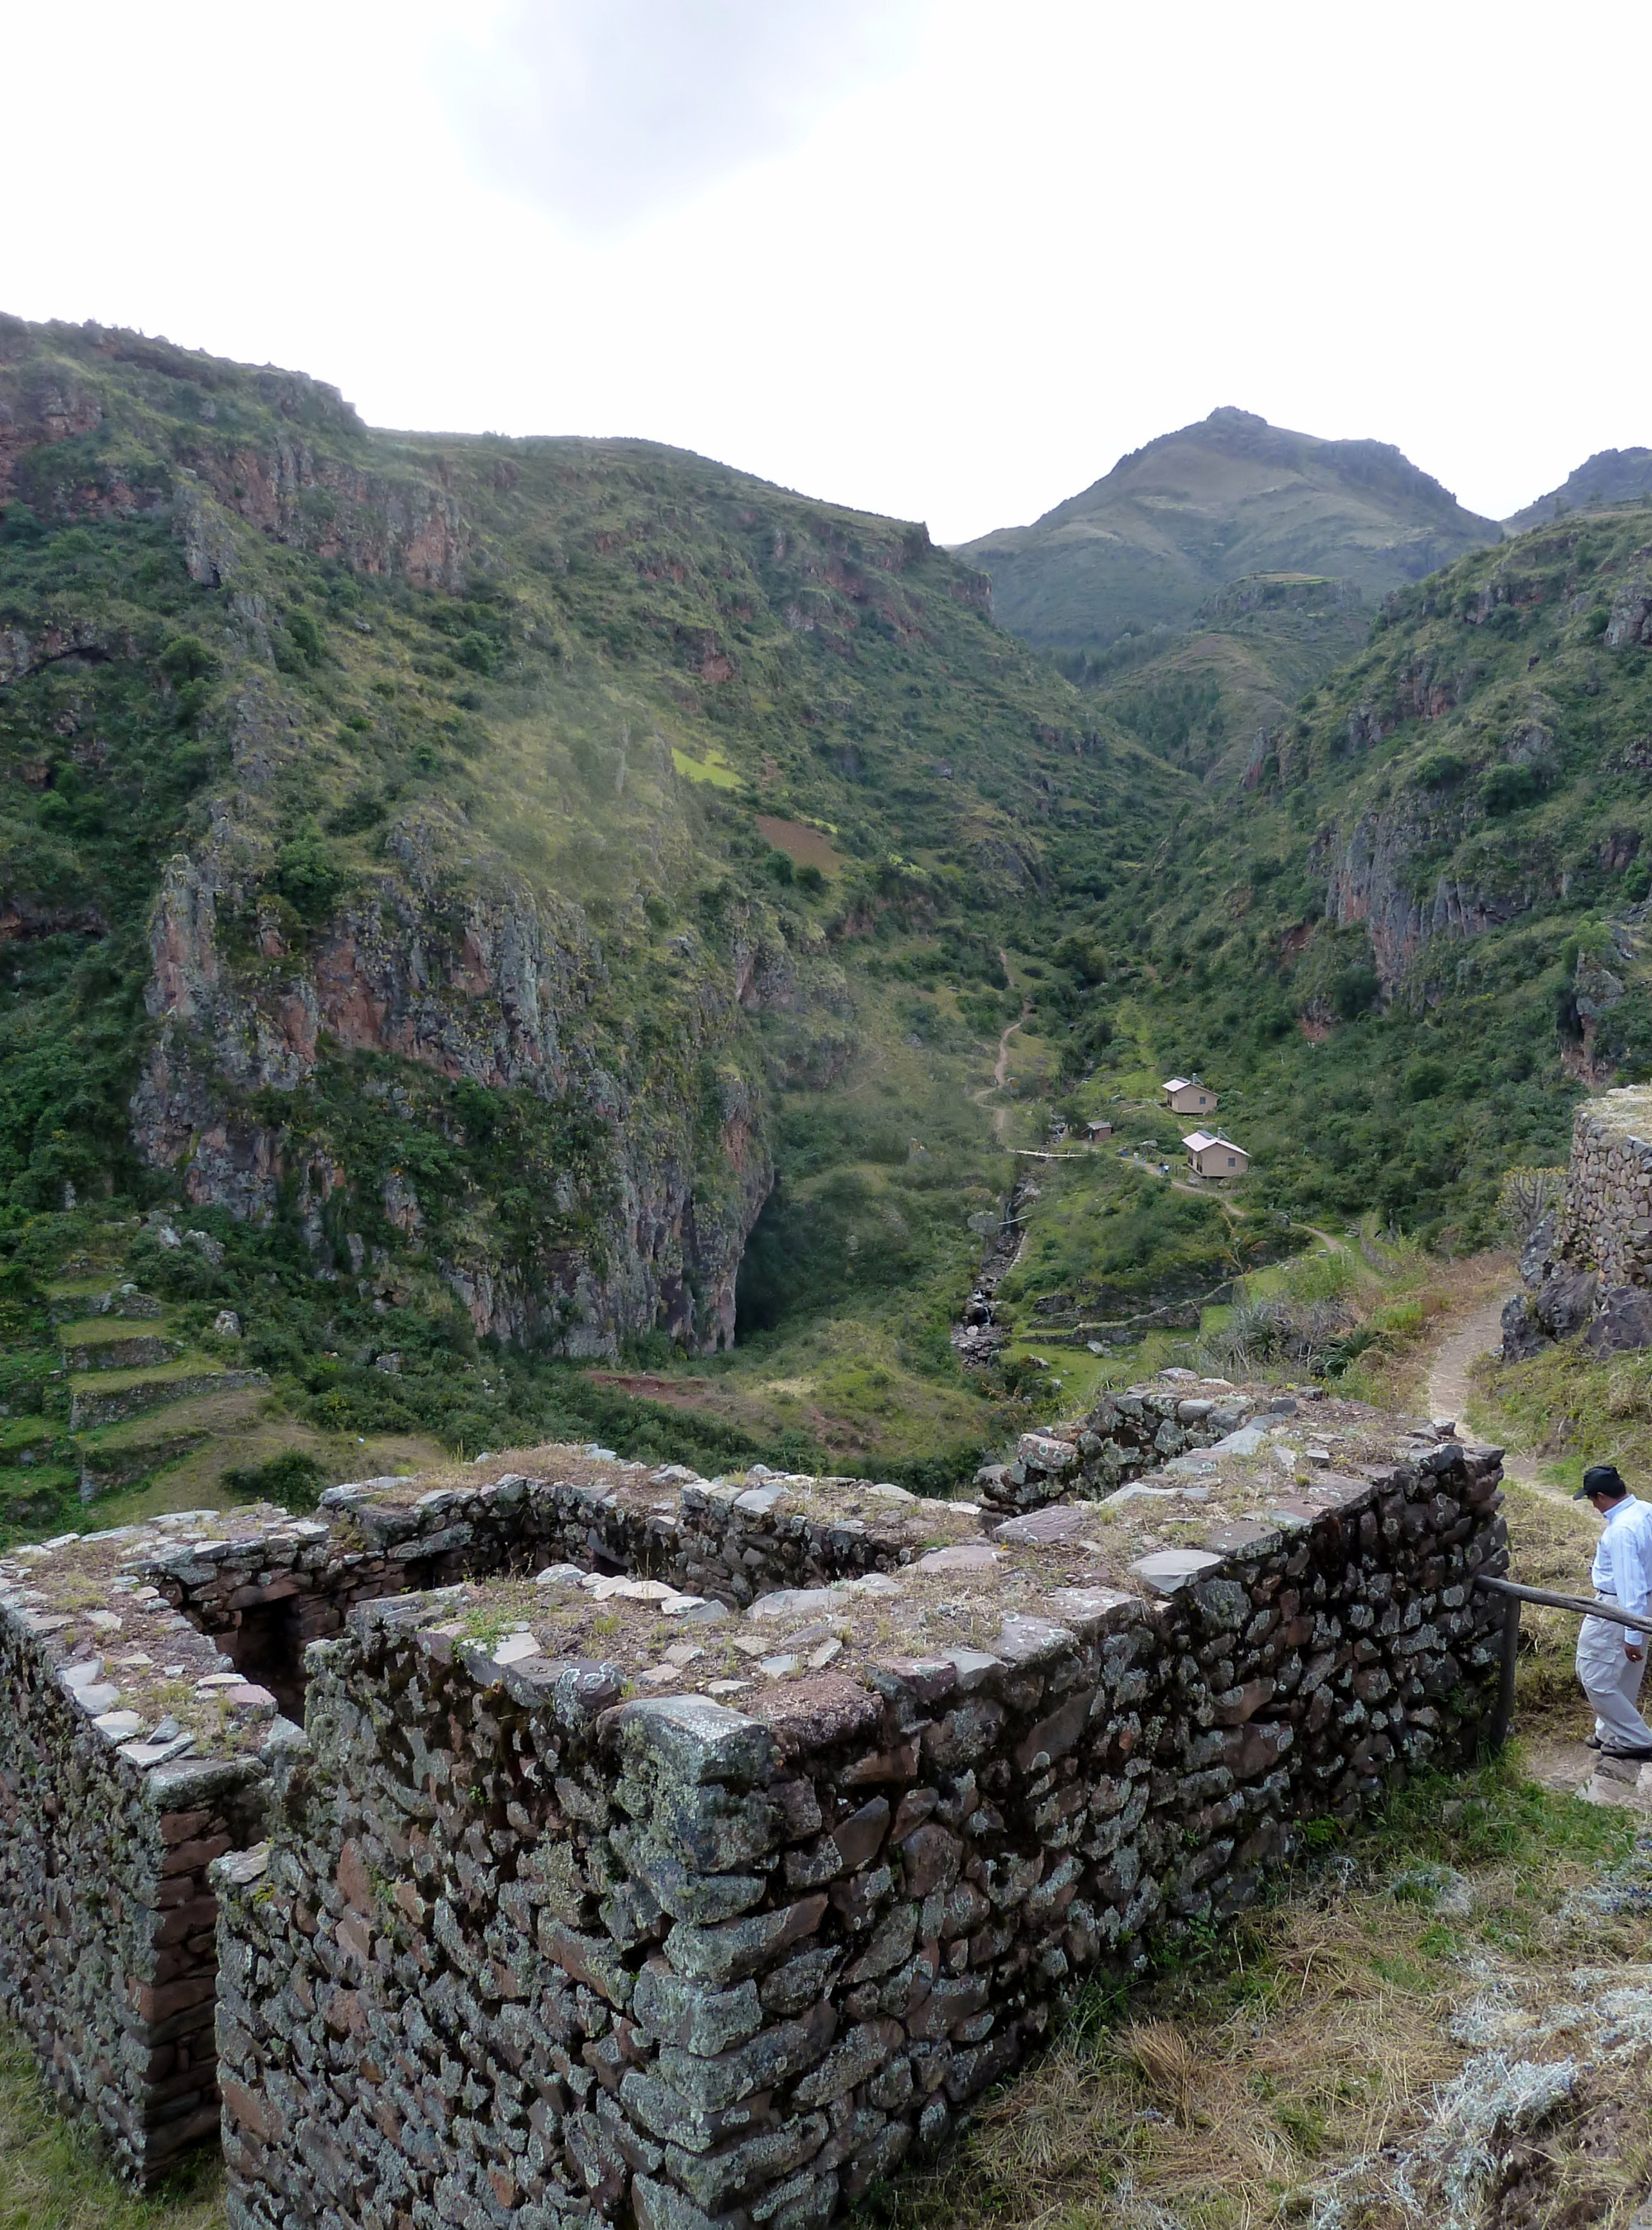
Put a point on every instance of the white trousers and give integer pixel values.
(1612, 1681)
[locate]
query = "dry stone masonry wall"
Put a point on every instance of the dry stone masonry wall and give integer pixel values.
(662, 1851)
(108, 1960)
(151, 1674)
(1176, 1421)
(1588, 1268)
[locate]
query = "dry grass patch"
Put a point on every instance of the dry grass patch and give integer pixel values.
(1314, 2066)
(1423, 1298)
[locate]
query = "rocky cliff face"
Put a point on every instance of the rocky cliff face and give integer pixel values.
(474, 826)
(326, 1066)
(642, 1210)
(1368, 872)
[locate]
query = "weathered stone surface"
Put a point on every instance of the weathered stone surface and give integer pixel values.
(1587, 1267)
(1623, 1321)
(1057, 1521)
(1166, 1569)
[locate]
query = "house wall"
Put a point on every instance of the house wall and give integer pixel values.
(1212, 1162)
(107, 1952)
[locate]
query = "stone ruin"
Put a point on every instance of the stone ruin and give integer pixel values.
(1165, 1436)
(1587, 1268)
(671, 1852)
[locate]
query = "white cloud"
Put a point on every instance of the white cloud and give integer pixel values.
(607, 110)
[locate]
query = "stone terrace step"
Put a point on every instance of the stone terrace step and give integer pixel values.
(74, 1300)
(110, 1343)
(118, 1455)
(108, 1397)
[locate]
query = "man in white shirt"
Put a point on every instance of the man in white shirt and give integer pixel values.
(1612, 1659)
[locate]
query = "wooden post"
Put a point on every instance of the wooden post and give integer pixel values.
(1504, 1717)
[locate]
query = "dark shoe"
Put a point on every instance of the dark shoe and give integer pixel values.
(1595, 1741)
(1638, 1756)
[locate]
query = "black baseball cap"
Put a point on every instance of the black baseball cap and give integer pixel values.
(1601, 1478)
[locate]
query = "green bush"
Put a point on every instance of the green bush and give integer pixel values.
(1425, 1080)
(308, 877)
(306, 636)
(1355, 992)
(292, 1479)
(1507, 789)
(1440, 768)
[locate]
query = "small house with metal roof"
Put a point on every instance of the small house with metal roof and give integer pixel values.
(1187, 1096)
(1211, 1155)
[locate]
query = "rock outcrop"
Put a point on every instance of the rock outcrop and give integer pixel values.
(642, 1220)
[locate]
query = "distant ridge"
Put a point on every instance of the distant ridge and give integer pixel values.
(1610, 476)
(1175, 521)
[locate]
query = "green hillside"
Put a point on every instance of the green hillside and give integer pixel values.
(1610, 476)
(469, 879)
(1177, 521)
(1409, 933)
(1202, 699)
(513, 937)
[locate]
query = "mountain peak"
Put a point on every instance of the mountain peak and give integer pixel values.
(1178, 519)
(1610, 476)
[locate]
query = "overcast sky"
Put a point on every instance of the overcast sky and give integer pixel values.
(939, 258)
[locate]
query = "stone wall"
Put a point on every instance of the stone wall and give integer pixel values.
(1589, 1268)
(527, 1943)
(108, 1960)
(149, 1675)
(1129, 1434)
(266, 1594)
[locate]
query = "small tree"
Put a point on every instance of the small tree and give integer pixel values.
(1526, 1196)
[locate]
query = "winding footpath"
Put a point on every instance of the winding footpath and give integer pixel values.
(1001, 1065)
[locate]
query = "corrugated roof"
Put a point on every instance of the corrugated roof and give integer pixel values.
(1196, 1141)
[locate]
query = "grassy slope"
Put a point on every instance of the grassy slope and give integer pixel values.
(634, 655)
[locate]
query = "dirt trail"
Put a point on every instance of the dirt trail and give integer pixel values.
(1449, 1391)
(1001, 1065)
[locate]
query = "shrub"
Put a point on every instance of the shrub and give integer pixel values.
(1506, 789)
(1087, 959)
(1526, 1196)
(1424, 1079)
(1355, 992)
(308, 877)
(292, 1479)
(306, 636)
(1440, 768)
(361, 811)
(186, 658)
